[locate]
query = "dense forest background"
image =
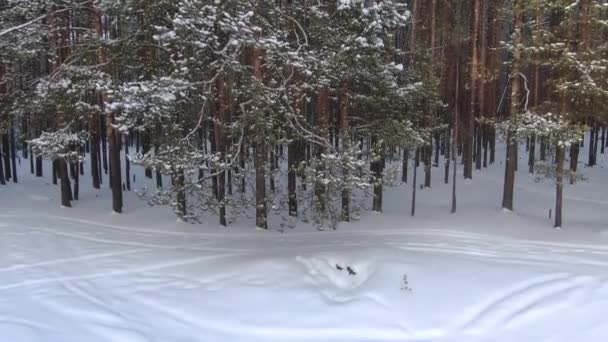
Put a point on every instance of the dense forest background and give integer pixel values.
(294, 107)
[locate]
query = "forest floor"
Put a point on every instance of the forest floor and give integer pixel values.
(84, 274)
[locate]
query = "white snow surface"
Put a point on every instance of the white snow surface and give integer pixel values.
(84, 274)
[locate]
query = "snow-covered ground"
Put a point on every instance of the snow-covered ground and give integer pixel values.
(83, 274)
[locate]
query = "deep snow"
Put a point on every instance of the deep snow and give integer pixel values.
(84, 274)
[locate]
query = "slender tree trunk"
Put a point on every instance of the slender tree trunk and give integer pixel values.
(14, 153)
(66, 192)
(377, 168)
(448, 155)
(469, 129)
(323, 127)
(145, 146)
(261, 213)
(31, 161)
(94, 151)
(112, 133)
(127, 165)
(292, 162)
(537, 100)
(455, 139)
(417, 158)
(76, 177)
(532, 154)
(574, 153)
(158, 174)
(603, 145)
(404, 166)
(104, 145)
(592, 134)
(560, 151)
(55, 167)
(511, 158)
(2, 179)
(179, 184)
(428, 167)
(220, 143)
(116, 172)
(39, 172)
(595, 144)
(6, 154)
(543, 149)
(343, 125)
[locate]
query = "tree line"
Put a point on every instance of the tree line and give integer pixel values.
(298, 107)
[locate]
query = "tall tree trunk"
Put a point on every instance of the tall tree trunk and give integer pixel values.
(55, 175)
(537, 100)
(560, 156)
(323, 127)
(76, 177)
(104, 144)
(448, 155)
(113, 135)
(511, 158)
(474, 76)
(66, 192)
(591, 150)
(574, 154)
(343, 124)
(6, 154)
(455, 139)
(39, 172)
(14, 153)
(220, 143)
(404, 166)
(595, 144)
(94, 151)
(292, 164)
(116, 172)
(429, 148)
(261, 212)
(543, 148)
(377, 168)
(179, 183)
(494, 65)
(2, 179)
(31, 161)
(127, 165)
(603, 145)
(158, 174)
(416, 159)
